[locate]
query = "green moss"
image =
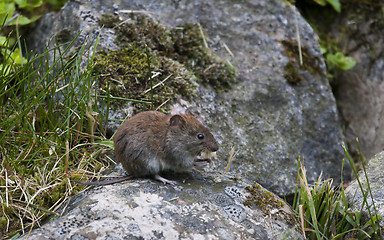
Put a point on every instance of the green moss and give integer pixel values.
(126, 74)
(109, 20)
(269, 203)
(144, 32)
(262, 198)
(292, 73)
(189, 49)
(178, 58)
(64, 36)
(183, 44)
(14, 224)
(293, 67)
(3, 223)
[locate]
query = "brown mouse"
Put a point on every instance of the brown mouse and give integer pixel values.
(152, 142)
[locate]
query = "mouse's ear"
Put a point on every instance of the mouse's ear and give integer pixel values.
(177, 120)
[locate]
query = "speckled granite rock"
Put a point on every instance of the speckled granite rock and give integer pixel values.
(277, 111)
(375, 174)
(202, 207)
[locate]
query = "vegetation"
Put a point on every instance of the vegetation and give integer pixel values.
(179, 58)
(338, 61)
(184, 44)
(308, 62)
(336, 5)
(124, 73)
(15, 13)
(50, 129)
(324, 211)
(321, 20)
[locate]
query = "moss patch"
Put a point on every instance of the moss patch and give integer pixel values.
(179, 53)
(293, 67)
(262, 198)
(268, 203)
(189, 49)
(109, 20)
(125, 73)
(64, 36)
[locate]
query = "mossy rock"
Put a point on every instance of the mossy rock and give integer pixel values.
(179, 52)
(294, 66)
(125, 74)
(269, 203)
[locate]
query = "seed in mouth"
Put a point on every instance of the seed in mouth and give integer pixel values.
(205, 158)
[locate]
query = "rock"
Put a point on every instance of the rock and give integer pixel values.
(360, 91)
(278, 109)
(375, 201)
(203, 206)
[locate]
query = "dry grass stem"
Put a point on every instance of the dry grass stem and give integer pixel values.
(62, 88)
(136, 11)
(302, 219)
(158, 84)
(92, 123)
(162, 104)
(298, 40)
(232, 154)
(228, 50)
(202, 36)
(6, 188)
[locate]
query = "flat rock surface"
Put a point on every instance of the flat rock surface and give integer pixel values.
(202, 206)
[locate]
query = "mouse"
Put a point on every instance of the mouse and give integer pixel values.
(152, 142)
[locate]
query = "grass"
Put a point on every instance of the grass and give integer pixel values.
(324, 212)
(51, 130)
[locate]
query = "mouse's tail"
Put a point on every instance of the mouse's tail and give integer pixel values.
(105, 182)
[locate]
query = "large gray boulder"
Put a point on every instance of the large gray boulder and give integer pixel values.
(278, 110)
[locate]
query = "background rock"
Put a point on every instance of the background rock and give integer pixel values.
(360, 91)
(356, 32)
(277, 111)
(374, 202)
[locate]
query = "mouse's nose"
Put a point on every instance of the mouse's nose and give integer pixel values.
(214, 147)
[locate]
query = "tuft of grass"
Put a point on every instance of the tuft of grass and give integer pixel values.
(324, 212)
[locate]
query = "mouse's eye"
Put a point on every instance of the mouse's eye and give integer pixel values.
(200, 136)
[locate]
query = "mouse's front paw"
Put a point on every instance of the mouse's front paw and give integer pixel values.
(164, 180)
